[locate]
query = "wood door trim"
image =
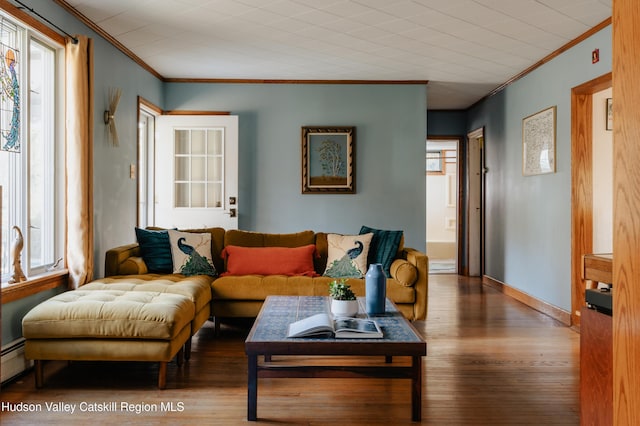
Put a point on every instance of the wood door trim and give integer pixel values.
(460, 214)
(582, 184)
(475, 134)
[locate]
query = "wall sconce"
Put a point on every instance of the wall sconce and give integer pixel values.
(109, 115)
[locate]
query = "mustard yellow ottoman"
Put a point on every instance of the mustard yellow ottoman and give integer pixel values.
(197, 288)
(109, 325)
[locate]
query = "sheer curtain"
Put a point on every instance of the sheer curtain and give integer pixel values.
(79, 159)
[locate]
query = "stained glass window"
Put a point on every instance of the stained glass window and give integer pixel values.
(10, 89)
(29, 147)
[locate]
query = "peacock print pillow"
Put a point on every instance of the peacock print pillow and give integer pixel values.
(347, 255)
(191, 253)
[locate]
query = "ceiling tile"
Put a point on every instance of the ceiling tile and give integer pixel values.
(464, 47)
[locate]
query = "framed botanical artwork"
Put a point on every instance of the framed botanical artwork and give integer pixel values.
(609, 114)
(328, 160)
(539, 142)
(434, 163)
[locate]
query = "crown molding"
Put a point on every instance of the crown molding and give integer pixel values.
(102, 33)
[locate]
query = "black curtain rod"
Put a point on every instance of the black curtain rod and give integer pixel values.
(29, 9)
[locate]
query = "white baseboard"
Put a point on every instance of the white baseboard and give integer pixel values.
(13, 360)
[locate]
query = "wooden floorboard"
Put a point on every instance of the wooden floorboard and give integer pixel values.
(491, 361)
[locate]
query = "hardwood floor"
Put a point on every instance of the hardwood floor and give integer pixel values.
(491, 361)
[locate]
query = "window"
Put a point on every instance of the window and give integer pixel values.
(28, 148)
(199, 162)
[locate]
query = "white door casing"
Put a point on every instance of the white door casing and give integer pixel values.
(196, 160)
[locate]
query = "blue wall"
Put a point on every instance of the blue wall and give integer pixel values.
(390, 136)
(390, 133)
(528, 219)
(447, 123)
(114, 191)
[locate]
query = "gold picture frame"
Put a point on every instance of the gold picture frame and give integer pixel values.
(539, 143)
(328, 160)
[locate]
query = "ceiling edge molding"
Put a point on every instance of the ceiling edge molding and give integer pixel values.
(193, 112)
(283, 81)
(108, 37)
(102, 33)
(546, 59)
(139, 61)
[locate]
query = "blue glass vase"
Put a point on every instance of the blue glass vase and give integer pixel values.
(375, 289)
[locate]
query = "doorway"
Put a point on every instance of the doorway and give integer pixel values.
(187, 168)
(443, 202)
(582, 184)
(196, 171)
(475, 204)
(147, 114)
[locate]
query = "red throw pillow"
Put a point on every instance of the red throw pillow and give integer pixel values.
(269, 260)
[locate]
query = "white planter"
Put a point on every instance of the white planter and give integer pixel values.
(344, 308)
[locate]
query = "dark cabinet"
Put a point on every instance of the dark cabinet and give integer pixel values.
(596, 368)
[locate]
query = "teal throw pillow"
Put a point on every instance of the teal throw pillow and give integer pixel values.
(384, 247)
(155, 250)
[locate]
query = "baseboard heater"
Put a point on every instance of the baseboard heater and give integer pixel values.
(13, 361)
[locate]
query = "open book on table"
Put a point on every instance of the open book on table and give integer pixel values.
(341, 328)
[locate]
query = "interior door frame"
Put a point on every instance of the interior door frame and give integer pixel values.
(475, 135)
(149, 107)
(582, 184)
(144, 106)
(460, 213)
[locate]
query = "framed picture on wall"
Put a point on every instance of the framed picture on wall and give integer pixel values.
(434, 163)
(328, 160)
(539, 142)
(609, 114)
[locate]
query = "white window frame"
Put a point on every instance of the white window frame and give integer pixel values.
(17, 194)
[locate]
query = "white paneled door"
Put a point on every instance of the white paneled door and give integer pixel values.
(196, 173)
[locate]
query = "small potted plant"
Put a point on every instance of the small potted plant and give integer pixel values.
(343, 300)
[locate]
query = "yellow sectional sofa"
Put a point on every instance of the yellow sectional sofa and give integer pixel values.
(135, 315)
(242, 295)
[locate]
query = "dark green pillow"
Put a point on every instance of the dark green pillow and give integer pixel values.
(155, 250)
(384, 247)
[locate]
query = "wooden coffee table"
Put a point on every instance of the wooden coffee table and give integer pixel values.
(268, 337)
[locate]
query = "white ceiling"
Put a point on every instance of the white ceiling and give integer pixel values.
(465, 48)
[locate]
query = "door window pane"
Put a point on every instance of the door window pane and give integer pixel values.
(182, 194)
(197, 195)
(182, 141)
(182, 169)
(214, 195)
(215, 169)
(198, 169)
(215, 139)
(199, 162)
(198, 142)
